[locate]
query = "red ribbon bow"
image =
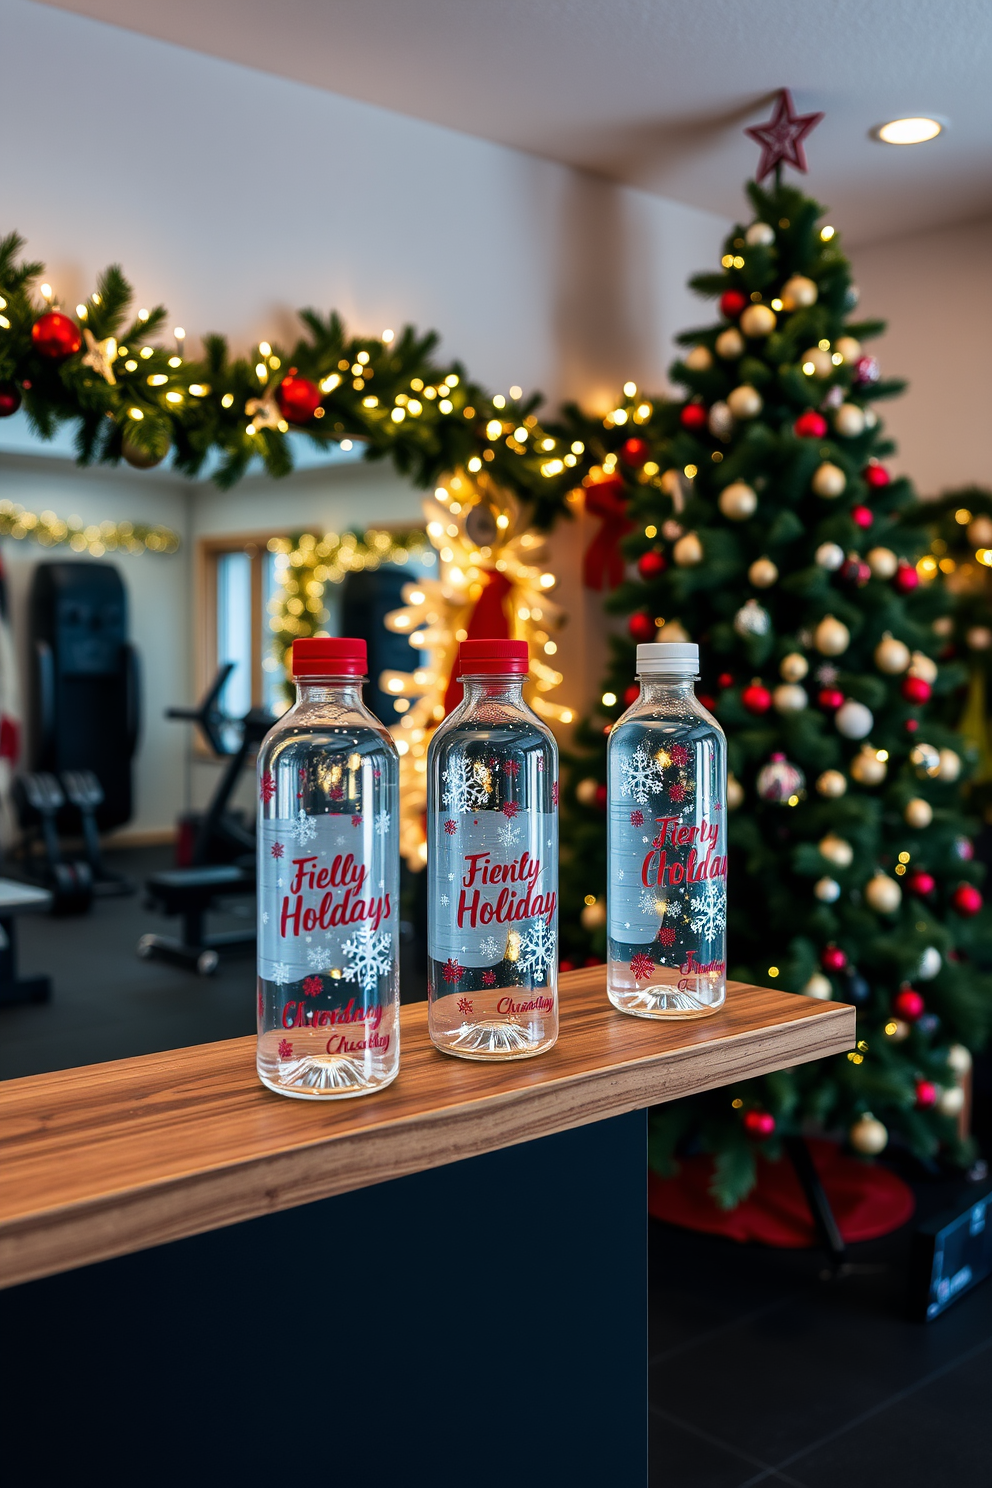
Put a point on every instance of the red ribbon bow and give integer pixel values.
(604, 560)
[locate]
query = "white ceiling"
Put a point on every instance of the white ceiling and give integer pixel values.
(654, 93)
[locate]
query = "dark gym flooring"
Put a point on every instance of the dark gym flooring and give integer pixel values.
(761, 1371)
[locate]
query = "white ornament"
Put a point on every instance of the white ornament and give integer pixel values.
(848, 348)
(759, 235)
(780, 781)
(762, 573)
(918, 813)
(950, 1102)
(757, 321)
(849, 420)
(867, 768)
(831, 637)
(831, 784)
(585, 791)
(738, 501)
(829, 480)
(891, 655)
(818, 986)
(369, 957)
(751, 619)
(925, 760)
(789, 697)
(979, 637)
(730, 344)
(959, 1059)
(798, 293)
(950, 765)
(699, 359)
(868, 1136)
(819, 361)
(883, 894)
(793, 667)
(853, 720)
(883, 563)
(827, 890)
(735, 793)
(744, 401)
(930, 963)
(836, 850)
(924, 667)
(829, 555)
(721, 421)
(688, 551)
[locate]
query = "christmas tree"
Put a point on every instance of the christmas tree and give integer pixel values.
(766, 525)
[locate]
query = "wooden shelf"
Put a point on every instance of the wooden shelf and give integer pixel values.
(113, 1158)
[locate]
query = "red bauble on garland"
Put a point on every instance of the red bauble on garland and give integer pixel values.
(601, 797)
(862, 516)
(732, 302)
(908, 1004)
(708, 702)
(810, 425)
(906, 579)
(56, 336)
(631, 695)
(830, 698)
(926, 1094)
(921, 883)
(966, 899)
(916, 690)
(10, 399)
(297, 397)
(759, 1124)
(651, 564)
(641, 626)
(634, 452)
(832, 958)
(877, 476)
(725, 679)
(756, 698)
(693, 417)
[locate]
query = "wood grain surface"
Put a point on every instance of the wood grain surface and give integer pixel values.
(112, 1158)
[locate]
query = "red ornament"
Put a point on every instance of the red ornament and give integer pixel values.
(876, 475)
(916, 689)
(912, 724)
(651, 564)
(759, 1123)
(855, 571)
(634, 452)
(906, 578)
(810, 425)
(926, 1094)
(830, 698)
(56, 336)
(641, 626)
(631, 695)
(593, 961)
(908, 1004)
(297, 397)
(10, 399)
(862, 516)
(566, 965)
(966, 899)
(725, 679)
(693, 417)
(832, 958)
(601, 797)
(732, 302)
(866, 370)
(709, 703)
(781, 137)
(921, 883)
(756, 699)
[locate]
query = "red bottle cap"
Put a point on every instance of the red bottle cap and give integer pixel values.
(330, 656)
(493, 658)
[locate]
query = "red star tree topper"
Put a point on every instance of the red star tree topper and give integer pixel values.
(781, 138)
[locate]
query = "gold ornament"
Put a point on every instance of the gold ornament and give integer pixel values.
(798, 293)
(980, 532)
(924, 667)
(868, 1136)
(831, 637)
(867, 768)
(593, 915)
(918, 813)
(264, 412)
(744, 401)
(720, 422)
(829, 480)
(700, 359)
(757, 321)
(789, 697)
(818, 986)
(829, 555)
(979, 637)
(882, 562)
(849, 420)
(959, 1059)
(831, 784)
(950, 1102)
(738, 501)
(848, 348)
(735, 792)
(943, 625)
(585, 791)
(836, 850)
(672, 630)
(891, 656)
(819, 361)
(100, 355)
(883, 894)
(827, 890)
(688, 551)
(950, 765)
(898, 1030)
(730, 344)
(138, 458)
(793, 667)
(762, 573)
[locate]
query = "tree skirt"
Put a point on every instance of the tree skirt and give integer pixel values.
(867, 1200)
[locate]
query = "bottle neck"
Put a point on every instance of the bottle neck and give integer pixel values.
(658, 685)
(506, 688)
(345, 692)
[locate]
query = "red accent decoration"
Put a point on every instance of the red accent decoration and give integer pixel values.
(732, 302)
(908, 1004)
(356, 820)
(641, 627)
(709, 703)
(631, 695)
(488, 621)
(489, 978)
(666, 935)
(10, 399)
(759, 1123)
(756, 699)
(677, 793)
(693, 416)
(921, 883)
(297, 397)
(966, 899)
(554, 792)
(312, 986)
(641, 966)
(278, 850)
(651, 564)
(451, 826)
(926, 1094)
(906, 578)
(637, 818)
(603, 564)
(867, 1200)
(876, 475)
(832, 958)
(512, 767)
(678, 754)
(451, 971)
(267, 786)
(285, 1049)
(810, 425)
(916, 689)
(725, 679)
(56, 336)
(634, 452)
(510, 809)
(601, 797)
(330, 656)
(862, 516)
(781, 137)
(830, 698)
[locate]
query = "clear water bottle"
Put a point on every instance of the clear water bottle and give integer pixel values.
(328, 885)
(667, 895)
(492, 865)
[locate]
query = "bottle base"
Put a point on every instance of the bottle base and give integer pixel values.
(491, 1041)
(661, 1003)
(323, 1078)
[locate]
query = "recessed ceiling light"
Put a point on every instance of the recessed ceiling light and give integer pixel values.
(908, 131)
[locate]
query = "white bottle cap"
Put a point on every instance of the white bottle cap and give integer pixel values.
(668, 658)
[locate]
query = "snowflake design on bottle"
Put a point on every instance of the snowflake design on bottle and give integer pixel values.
(708, 910)
(489, 979)
(281, 974)
(277, 850)
(451, 826)
(267, 787)
(356, 820)
(312, 986)
(640, 775)
(637, 818)
(648, 902)
(464, 1004)
(491, 948)
(318, 957)
(466, 785)
(285, 1049)
(537, 949)
(444, 901)
(679, 755)
(304, 828)
(677, 793)
(451, 970)
(370, 957)
(666, 935)
(510, 809)
(508, 834)
(554, 793)
(382, 823)
(641, 966)
(512, 768)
